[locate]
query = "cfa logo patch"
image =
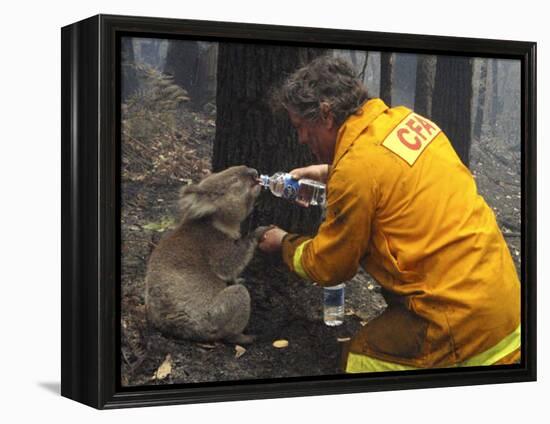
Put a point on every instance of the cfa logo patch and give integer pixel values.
(409, 139)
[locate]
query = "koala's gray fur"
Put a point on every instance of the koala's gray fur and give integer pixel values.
(188, 295)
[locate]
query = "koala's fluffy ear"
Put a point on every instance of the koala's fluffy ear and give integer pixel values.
(195, 203)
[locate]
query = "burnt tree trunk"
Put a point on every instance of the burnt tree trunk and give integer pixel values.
(190, 64)
(404, 79)
(363, 74)
(182, 63)
(425, 76)
(481, 96)
(386, 77)
(248, 132)
(495, 100)
(451, 103)
(353, 57)
(129, 75)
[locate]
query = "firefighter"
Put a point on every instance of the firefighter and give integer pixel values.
(402, 205)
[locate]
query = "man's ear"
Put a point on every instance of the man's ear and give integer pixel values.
(326, 115)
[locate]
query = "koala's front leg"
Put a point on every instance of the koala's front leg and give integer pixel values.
(230, 257)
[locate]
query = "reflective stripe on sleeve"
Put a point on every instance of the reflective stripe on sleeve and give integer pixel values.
(362, 363)
(297, 261)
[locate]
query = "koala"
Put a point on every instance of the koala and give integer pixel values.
(188, 291)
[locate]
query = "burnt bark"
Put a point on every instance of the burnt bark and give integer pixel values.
(386, 77)
(481, 97)
(404, 79)
(425, 76)
(192, 65)
(363, 74)
(249, 132)
(129, 75)
(495, 99)
(451, 103)
(353, 57)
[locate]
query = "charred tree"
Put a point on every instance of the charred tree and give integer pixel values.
(425, 76)
(353, 57)
(249, 132)
(451, 103)
(149, 52)
(481, 96)
(192, 65)
(182, 60)
(495, 99)
(129, 74)
(404, 79)
(363, 74)
(386, 77)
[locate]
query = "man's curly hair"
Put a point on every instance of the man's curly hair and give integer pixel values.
(327, 80)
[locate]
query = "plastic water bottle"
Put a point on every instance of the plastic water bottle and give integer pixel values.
(305, 192)
(333, 305)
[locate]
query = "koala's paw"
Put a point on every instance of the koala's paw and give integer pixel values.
(260, 231)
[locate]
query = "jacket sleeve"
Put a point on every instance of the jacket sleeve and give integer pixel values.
(333, 255)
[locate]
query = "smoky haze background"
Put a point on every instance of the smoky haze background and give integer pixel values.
(193, 65)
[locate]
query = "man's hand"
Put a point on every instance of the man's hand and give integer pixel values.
(272, 240)
(313, 172)
(260, 231)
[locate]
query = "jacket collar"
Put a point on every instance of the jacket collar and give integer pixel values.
(355, 125)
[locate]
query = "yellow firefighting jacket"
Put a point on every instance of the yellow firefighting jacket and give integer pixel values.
(401, 204)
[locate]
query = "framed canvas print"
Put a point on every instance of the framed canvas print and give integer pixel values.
(254, 211)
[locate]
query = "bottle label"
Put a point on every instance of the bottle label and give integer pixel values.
(291, 188)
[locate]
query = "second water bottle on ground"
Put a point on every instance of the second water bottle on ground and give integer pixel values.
(334, 304)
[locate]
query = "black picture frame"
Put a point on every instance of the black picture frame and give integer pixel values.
(91, 211)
